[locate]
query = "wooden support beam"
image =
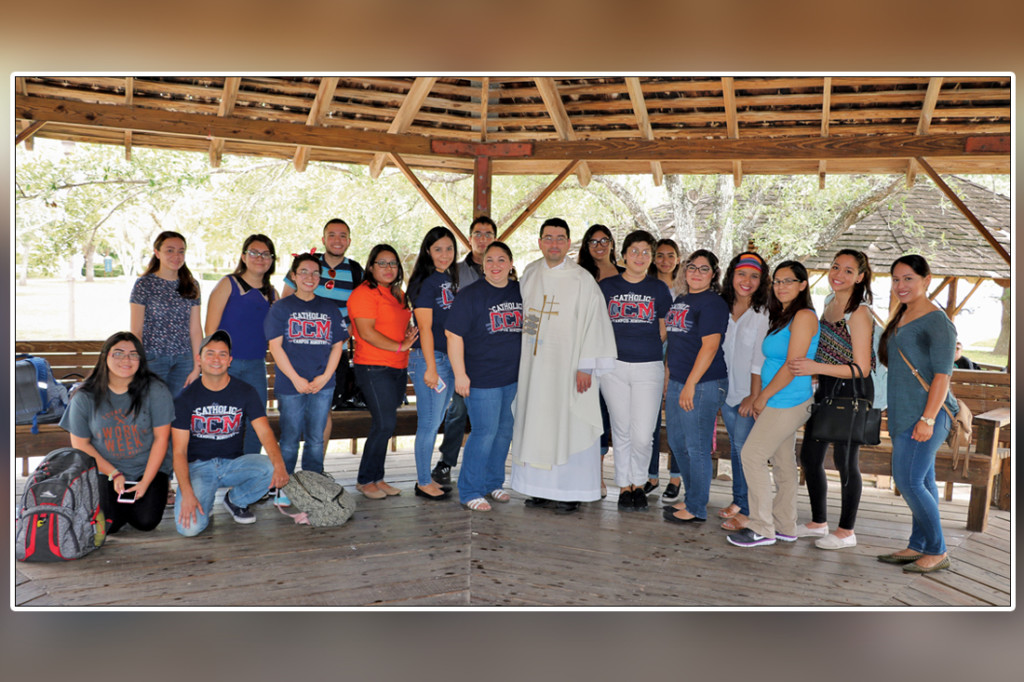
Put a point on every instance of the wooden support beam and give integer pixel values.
(643, 121)
(560, 117)
(982, 230)
(826, 115)
(29, 130)
(485, 102)
(732, 124)
(411, 106)
(317, 112)
(482, 186)
(951, 298)
(961, 304)
(535, 204)
(942, 285)
(925, 122)
(129, 97)
(226, 108)
(425, 193)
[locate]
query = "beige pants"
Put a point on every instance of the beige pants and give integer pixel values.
(773, 439)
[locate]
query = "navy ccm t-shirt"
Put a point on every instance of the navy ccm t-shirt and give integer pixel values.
(436, 293)
(634, 310)
(309, 329)
(216, 420)
(490, 322)
(689, 320)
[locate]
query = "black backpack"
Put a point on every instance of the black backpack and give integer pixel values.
(59, 517)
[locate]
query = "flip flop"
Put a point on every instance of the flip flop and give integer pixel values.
(724, 512)
(732, 524)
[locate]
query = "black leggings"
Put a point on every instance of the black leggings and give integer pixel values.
(144, 514)
(812, 460)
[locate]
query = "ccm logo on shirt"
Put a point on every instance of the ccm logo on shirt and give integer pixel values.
(506, 321)
(676, 319)
(309, 329)
(216, 424)
(636, 310)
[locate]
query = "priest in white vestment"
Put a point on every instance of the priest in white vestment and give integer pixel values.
(567, 344)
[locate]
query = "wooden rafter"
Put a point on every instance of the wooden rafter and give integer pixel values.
(826, 112)
(961, 304)
(129, 95)
(535, 204)
(732, 124)
(982, 230)
(29, 130)
(425, 193)
(925, 122)
(560, 117)
(21, 88)
(485, 101)
(226, 108)
(938, 290)
(643, 121)
(317, 112)
(411, 105)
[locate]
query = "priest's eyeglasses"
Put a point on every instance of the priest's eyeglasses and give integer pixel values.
(548, 239)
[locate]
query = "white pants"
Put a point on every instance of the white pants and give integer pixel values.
(633, 393)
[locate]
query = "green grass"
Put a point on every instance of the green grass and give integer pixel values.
(986, 357)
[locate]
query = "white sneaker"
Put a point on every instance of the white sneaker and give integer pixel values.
(802, 531)
(833, 541)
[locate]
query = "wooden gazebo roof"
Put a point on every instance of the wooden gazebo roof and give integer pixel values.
(529, 125)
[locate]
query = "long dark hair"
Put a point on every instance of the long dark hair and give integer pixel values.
(779, 316)
(98, 381)
(395, 287)
(188, 287)
(862, 289)
(653, 270)
(424, 266)
(920, 266)
(587, 261)
(267, 289)
(512, 276)
(759, 299)
(716, 273)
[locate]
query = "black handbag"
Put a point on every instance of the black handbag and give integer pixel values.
(847, 419)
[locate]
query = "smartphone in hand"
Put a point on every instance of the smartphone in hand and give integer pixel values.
(125, 497)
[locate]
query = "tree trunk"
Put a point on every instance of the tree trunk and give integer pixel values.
(1003, 342)
(89, 254)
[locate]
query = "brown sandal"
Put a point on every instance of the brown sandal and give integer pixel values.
(733, 524)
(725, 513)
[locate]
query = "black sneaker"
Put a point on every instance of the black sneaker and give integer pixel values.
(650, 487)
(639, 500)
(748, 538)
(627, 499)
(671, 492)
(239, 514)
(442, 474)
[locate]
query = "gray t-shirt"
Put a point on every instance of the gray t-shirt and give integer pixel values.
(123, 440)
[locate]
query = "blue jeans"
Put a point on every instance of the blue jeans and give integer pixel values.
(173, 369)
(383, 389)
(738, 428)
(254, 373)
(430, 407)
(454, 430)
(304, 415)
(673, 466)
(483, 462)
(248, 476)
(913, 470)
(690, 434)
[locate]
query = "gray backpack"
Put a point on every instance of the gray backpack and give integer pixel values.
(322, 501)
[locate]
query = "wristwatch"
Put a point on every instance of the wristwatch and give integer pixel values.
(928, 421)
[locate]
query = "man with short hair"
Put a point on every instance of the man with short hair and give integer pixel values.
(482, 232)
(338, 277)
(208, 433)
(567, 342)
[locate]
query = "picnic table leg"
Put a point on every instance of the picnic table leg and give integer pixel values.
(981, 494)
(1005, 485)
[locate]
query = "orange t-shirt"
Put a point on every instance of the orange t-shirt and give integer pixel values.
(390, 318)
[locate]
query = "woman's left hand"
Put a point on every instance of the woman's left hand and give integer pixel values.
(140, 489)
(193, 375)
(430, 378)
(800, 366)
(922, 432)
(758, 406)
(686, 397)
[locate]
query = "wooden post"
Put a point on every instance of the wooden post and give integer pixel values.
(482, 186)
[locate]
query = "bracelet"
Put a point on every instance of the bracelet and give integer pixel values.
(113, 476)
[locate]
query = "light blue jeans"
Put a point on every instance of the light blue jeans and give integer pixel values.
(690, 435)
(739, 428)
(173, 369)
(431, 407)
(248, 476)
(483, 459)
(913, 471)
(304, 415)
(254, 373)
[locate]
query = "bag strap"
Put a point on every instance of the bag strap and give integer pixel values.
(952, 419)
(301, 518)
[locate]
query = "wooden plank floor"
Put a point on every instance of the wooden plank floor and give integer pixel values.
(407, 551)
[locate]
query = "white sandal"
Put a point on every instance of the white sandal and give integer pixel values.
(499, 495)
(478, 504)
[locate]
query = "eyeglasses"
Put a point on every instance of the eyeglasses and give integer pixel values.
(482, 235)
(121, 355)
(386, 263)
(264, 255)
(639, 252)
(307, 273)
(560, 239)
(702, 269)
(603, 241)
(784, 282)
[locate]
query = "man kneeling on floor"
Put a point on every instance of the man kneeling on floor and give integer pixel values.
(207, 437)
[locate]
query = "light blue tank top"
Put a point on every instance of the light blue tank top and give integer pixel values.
(775, 348)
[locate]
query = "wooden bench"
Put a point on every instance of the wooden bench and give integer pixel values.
(70, 358)
(989, 472)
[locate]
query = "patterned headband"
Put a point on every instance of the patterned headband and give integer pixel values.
(750, 262)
